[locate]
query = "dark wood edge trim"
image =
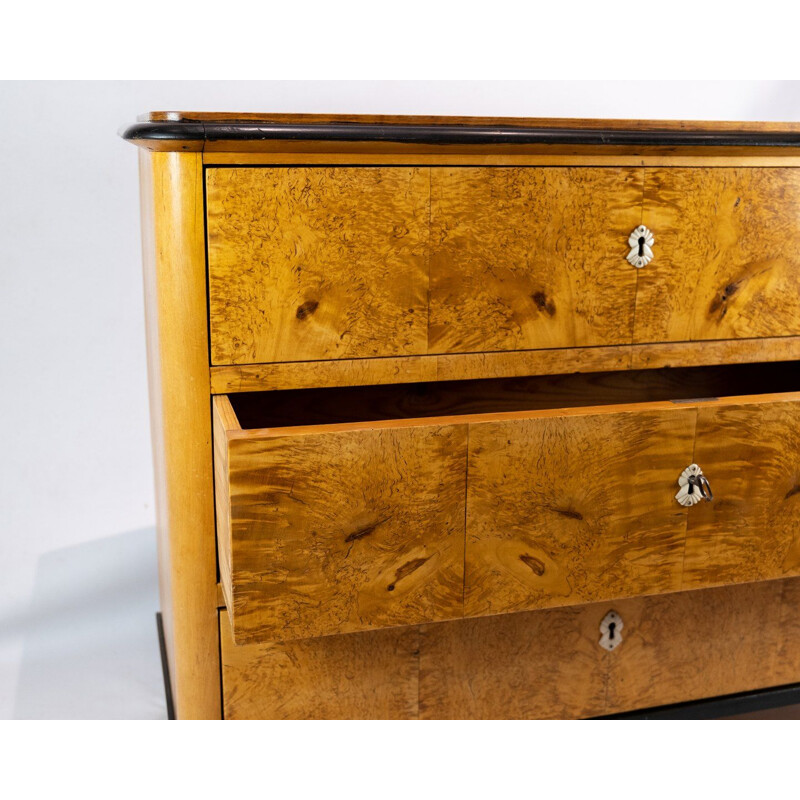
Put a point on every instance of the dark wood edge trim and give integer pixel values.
(725, 706)
(164, 132)
(162, 646)
(447, 134)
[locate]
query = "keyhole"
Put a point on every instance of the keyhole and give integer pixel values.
(611, 626)
(641, 246)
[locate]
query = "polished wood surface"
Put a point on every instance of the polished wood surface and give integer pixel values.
(525, 258)
(398, 134)
(727, 255)
(519, 509)
(358, 676)
(317, 263)
(751, 531)
(675, 647)
(342, 531)
(710, 126)
(579, 507)
(518, 157)
(223, 420)
(463, 366)
(529, 665)
(567, 510)
(177, 341)
(503, 436)
(409, 262)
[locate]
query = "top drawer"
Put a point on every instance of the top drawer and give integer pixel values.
(317, 263)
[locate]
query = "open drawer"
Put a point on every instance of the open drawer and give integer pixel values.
(348, 509)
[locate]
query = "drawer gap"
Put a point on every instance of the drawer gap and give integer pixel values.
(364, 404)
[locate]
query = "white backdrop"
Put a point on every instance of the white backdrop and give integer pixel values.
(77, 547)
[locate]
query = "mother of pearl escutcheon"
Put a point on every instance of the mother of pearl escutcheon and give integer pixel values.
(694, 487)
(641, 242)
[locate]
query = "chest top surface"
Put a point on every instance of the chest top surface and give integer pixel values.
(185, 130)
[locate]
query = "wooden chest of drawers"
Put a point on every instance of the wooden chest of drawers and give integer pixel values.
(473, 418)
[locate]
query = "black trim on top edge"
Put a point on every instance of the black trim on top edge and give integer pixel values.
(448, 134)
(717, 707)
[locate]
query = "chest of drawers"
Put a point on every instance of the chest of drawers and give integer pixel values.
(472, 418)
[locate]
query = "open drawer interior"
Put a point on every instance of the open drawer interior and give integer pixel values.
(366, 404)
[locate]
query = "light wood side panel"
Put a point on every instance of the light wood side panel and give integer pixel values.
(345, 530)
(360, 676)
(727, 255)
(565, 509)
(223, 420)
(526, 258)
(317, 263)
(177, 342)
(751, 531)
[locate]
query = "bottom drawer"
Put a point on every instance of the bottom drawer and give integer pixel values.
(539, 664)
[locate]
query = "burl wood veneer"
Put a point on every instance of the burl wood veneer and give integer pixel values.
(421, 417)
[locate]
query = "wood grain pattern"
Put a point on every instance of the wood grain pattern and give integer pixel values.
(751, 455)
(427, 119)
(317, 263)
(344, 531)
(462, 366)
(472, 156)
(686, 646)
(676, 647)
(536, 665)
(573, 509)
(727, 259)
(545, 270)
(526, 258)
(563, 506)
(359, 676)
(223, 420)
(177, 343)
(530, 665)
(701, 354)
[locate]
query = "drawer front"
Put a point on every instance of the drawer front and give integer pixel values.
(528, 258)
(321, 263)
(536, 664)
(727, 255)
(338, 532)
(339, 528)
(752, 529)
(316, 263)
(582, 508)
(573, 509)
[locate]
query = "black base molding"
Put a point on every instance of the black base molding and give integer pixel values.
(717, 707)
(162, 646)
